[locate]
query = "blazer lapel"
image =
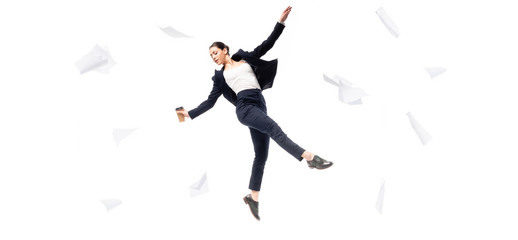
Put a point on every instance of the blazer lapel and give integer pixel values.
(228, 93)
(265, 71)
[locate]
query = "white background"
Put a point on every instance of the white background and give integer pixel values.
(58, 158)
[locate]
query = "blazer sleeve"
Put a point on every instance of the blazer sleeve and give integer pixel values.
(267, 44)
(215, 93)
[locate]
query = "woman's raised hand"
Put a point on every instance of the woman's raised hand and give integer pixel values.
(285, 14)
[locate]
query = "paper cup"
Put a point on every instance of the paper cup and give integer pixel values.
(181, 117)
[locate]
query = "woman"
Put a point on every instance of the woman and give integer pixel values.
(241, 80)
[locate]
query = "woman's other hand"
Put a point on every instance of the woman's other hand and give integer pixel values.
(285, 14)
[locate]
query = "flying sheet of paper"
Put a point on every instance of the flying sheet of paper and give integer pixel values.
(435, 71)
(350, 95)
(387, 21)
(120, 134)
(381, 196)
(173, 32)
(200, 187)
(423, 135)
(330, 80)
(111, 203)
(97, 59)
(346, 93)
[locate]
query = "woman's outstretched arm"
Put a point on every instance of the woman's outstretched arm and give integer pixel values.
(267, 44)
(205, 105)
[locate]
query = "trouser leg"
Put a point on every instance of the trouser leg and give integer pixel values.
(261, 143)
(255, 118)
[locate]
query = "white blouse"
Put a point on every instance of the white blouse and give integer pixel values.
(241, 78)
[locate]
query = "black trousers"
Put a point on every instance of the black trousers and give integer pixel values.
(251, 111)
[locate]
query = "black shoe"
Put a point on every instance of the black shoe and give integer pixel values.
(319, 163)
(254, 206)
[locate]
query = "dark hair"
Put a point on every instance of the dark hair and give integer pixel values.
(221, 46)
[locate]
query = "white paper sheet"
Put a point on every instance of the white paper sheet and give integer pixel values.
(120, 134)
(331, 81)
(423, 135)
(346, 93)
(435, 71)
(200, 187)
(173, 32)
(97, 59)
(111, 203)
(381, 196)
(387, 21)
(351, 95)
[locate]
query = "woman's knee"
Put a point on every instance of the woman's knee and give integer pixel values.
(275, 131)
(260, 158)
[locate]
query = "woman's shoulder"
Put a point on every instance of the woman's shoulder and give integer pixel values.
(218, 73)
(241, 54)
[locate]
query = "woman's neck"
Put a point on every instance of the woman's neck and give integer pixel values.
(229, 62)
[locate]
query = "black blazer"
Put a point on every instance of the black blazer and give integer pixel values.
(264, 71)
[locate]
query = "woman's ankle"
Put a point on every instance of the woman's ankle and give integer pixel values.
(255, 195)
(308, 156)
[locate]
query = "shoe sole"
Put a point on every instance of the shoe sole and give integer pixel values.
(321, 168)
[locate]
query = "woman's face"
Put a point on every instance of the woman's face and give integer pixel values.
(217, 55)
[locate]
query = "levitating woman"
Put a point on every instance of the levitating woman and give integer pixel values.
(241, 80)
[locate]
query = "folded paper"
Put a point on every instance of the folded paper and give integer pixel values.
(435, 71)
(387, 21)
(423, 135)
(346, 93)
(111, 203)
(120, 134)
(98, 59)
(381, 196)
(173, 32)
(200, 187)
(331, 81)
